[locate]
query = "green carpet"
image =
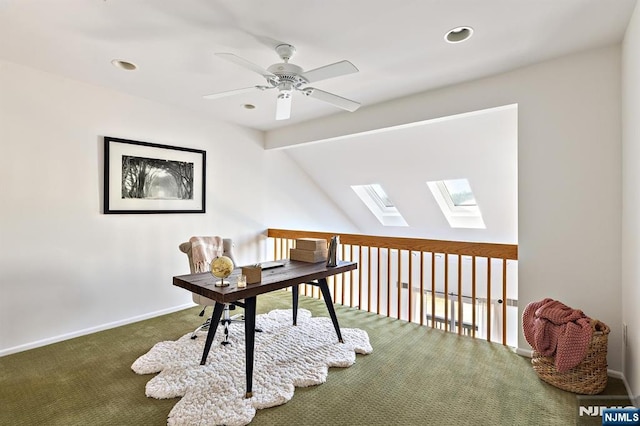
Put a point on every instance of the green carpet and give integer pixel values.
(415, 376)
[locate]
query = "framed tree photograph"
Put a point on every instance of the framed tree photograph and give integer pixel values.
(144, 177)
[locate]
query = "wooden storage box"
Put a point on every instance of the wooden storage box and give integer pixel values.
(253, 274)
(311, 256)
(312, 244)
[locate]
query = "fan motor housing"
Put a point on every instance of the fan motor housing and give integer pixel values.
(288, 72)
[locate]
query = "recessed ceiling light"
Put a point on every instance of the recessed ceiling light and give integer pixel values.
(249, 106)
(124, 65)
(458, 34)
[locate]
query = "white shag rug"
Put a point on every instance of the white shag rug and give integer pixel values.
(285, 357)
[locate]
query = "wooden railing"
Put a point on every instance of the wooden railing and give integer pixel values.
(393, 272)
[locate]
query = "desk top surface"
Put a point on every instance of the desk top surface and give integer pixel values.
(293, 272)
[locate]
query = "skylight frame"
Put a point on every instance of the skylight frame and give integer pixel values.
(458, 216)
(380, 197)
(378, 202)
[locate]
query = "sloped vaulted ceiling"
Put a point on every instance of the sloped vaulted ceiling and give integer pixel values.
(480, 146)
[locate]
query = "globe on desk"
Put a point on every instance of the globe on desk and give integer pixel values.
(221, 267)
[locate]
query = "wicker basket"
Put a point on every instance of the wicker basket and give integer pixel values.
(589, 377)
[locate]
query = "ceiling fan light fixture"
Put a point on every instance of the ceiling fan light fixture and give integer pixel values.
(286, 78)
(458, 34)
(283, 106)
(124, 65)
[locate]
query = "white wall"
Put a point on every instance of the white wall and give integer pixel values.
(66, 268)
(631, 204)
(288, 185)
(569, 179)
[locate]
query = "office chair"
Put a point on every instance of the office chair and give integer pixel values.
(224, 249)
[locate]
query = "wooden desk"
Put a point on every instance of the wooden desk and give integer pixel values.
(291, 274)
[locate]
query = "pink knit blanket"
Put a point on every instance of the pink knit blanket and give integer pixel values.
(204, 250)
(554, 329)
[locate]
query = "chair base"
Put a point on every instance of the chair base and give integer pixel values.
(225, 322)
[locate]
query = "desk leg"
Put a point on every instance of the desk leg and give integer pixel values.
(213, 326)
(295, 291)
(249, 336)
(324, 287)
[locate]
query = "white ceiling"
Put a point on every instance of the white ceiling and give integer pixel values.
(398, 46)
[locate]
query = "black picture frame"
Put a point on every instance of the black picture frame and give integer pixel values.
(146, 178)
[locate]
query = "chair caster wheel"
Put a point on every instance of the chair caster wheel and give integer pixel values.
(194, 337)
(258, 330)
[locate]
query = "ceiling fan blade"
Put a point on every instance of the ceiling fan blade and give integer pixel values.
(332, 99)
(283, 106)
(233, 92)
(330, 71)
(246, 64)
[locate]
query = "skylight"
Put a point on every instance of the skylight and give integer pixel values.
(379, 203)
(457, 202)
(380, 197)
(460, 192)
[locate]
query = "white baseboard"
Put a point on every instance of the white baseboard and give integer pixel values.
(528, 353)
(617, 375)
(84, 332)
(634, 400)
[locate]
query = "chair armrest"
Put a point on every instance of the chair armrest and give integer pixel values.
(185, 247)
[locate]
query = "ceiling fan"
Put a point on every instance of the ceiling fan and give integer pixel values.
(287, 78)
